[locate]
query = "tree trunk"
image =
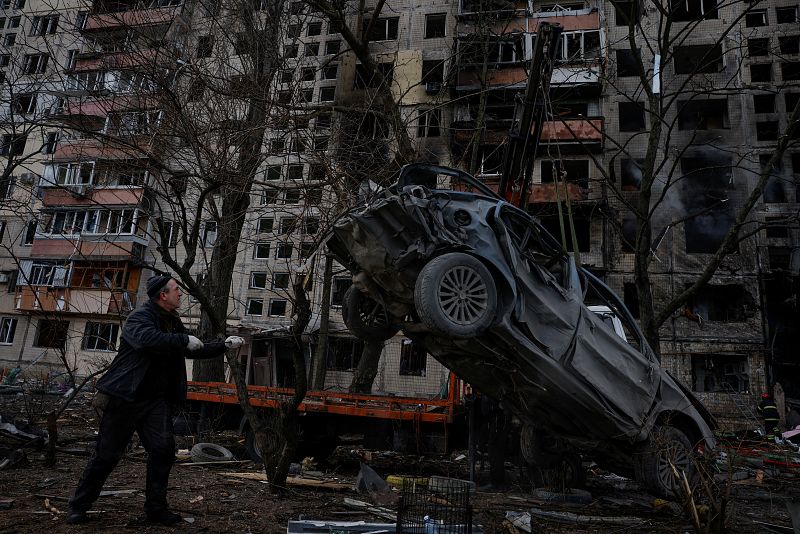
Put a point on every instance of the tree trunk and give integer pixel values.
(318, 375)
(367, 369)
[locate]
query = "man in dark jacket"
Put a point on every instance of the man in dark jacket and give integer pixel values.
(141, 386)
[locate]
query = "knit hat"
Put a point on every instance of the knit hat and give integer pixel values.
(155, 283)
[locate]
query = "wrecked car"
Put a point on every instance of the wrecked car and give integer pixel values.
(493, 296)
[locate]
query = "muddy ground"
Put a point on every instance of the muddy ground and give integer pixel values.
(33, 498)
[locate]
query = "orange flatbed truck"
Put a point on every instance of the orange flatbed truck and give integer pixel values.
(386, 421)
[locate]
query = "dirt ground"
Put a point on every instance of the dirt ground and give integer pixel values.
(33, 498)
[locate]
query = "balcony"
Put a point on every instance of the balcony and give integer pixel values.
(91, 196)
(130, 18)
(119, 60)
(468, 8)
(94, 301)
(549, 192)
(94, 149)
(108, 246)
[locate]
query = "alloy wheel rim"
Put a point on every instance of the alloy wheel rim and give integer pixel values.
(463, 295)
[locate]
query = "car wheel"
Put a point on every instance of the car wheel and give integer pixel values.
(667, 446)
(455, 296)
(366, 318)
(253, 449)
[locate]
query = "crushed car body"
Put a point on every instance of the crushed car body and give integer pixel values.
(493, 296)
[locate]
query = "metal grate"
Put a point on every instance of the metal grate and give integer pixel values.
(440, 508)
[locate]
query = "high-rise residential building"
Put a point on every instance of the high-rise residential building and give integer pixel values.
(121, 118)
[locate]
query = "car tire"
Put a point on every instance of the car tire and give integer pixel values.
(366, 318)
(455, 296)
(210, 452)
(666, 444)
(251, 445)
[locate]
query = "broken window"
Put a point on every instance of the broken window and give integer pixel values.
(789, 44)
(774, 190)
(261, 250)
(786, 15)
(790, 71)
(626, 13)
(255, 307)
(764, 103)
(628, 233)
(776, 228)
(685, 10)
(428, 123)
(491, 158)
(277, 308)
(339, 287)
(758, 47)
(704, 196)
(327, 94)
(384, 29)
(573, 170)
(728, 373)
(779, 258)
(698, 59)
(413, 359)
(631, 174)
(265, 226)
(755, 18)
(626, 63)
(790, 100)
(435, 25)
(761, 72)
(548, 215)
(433, 71)
(767, 130)
(205, 46)
(730, 303)
(343, 353)
(314, 28)
(631, 117)
(579, 46)
(708, 114)
(51, 334)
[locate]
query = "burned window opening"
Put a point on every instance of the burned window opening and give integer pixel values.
(704, 194)
(631, 117)
(413, 359)
(631, 174)
(767, 130)
(548, 215)
(626, 13)
(343, 353)
(727, 303)
(776, 228)
(789, 44)
(764, 103)
(780, 258)
(790, 71)
(626, 63)
(698, 59)
(686, 10)
(758, 47)
(720, 373)
(575, 171)
(761, 72)
(711, 114)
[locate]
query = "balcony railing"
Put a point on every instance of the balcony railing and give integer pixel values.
(93, 301)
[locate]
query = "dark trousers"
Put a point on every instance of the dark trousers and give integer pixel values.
(152, 419)
(770, 425)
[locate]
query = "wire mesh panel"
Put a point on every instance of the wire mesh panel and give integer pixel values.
(439, 507)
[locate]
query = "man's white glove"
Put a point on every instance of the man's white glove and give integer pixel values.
(194, 344)
(234, 342)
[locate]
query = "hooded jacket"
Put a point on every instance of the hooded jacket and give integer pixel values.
(152, 333)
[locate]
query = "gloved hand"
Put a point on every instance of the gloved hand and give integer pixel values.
(194, 344)
(234, 342)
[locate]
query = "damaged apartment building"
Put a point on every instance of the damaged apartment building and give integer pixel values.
(74, 262)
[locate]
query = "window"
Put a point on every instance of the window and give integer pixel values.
(261, 251)
(339, 287)
(706, 178)
(265, 225)
(790, 101)
(758, 47)
(80, 19)
(305, 250)
(209, 234)
(297, 8)
(51, 334)
(49, 145)
(9, 39)
(720, 373)
(321, 143)
(294, 172)
(703, 114)
(294, 31)
(288, 225)
(311, 225)
(14, 22)
(30, 232)
(313, 196)
(330, 72)
(786, 15)
(24, 103)
(277, 146)
(428, 123)
(579, 46)
(308, 75)
(384, 29)
(5, 59)
(255, 307)
(327, 94)
(332, 47)
(755, 18)
(631, 174)
(8, 326)
(413, 359)
(2, 22)
(435, 25)
(291, 197)
(35, 63)
(631, 117)
(269, 196)
(767, 130)
(433, 71)
(314, 28)
(205, 46)
(290, 51)
(776, 228)
(100, 336)
(343, 353)
(761, 72)
(626, 64)
(280, 280)
(573, 170)
(789, 44)
(44, 25)
(698, 59)
(311, 49)
(13, 145)
(790, 71)
(277, 308)
(258, 280)
(284, 251)
(132, 122)
(764, 103)
(626, 13)
(685, 10)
